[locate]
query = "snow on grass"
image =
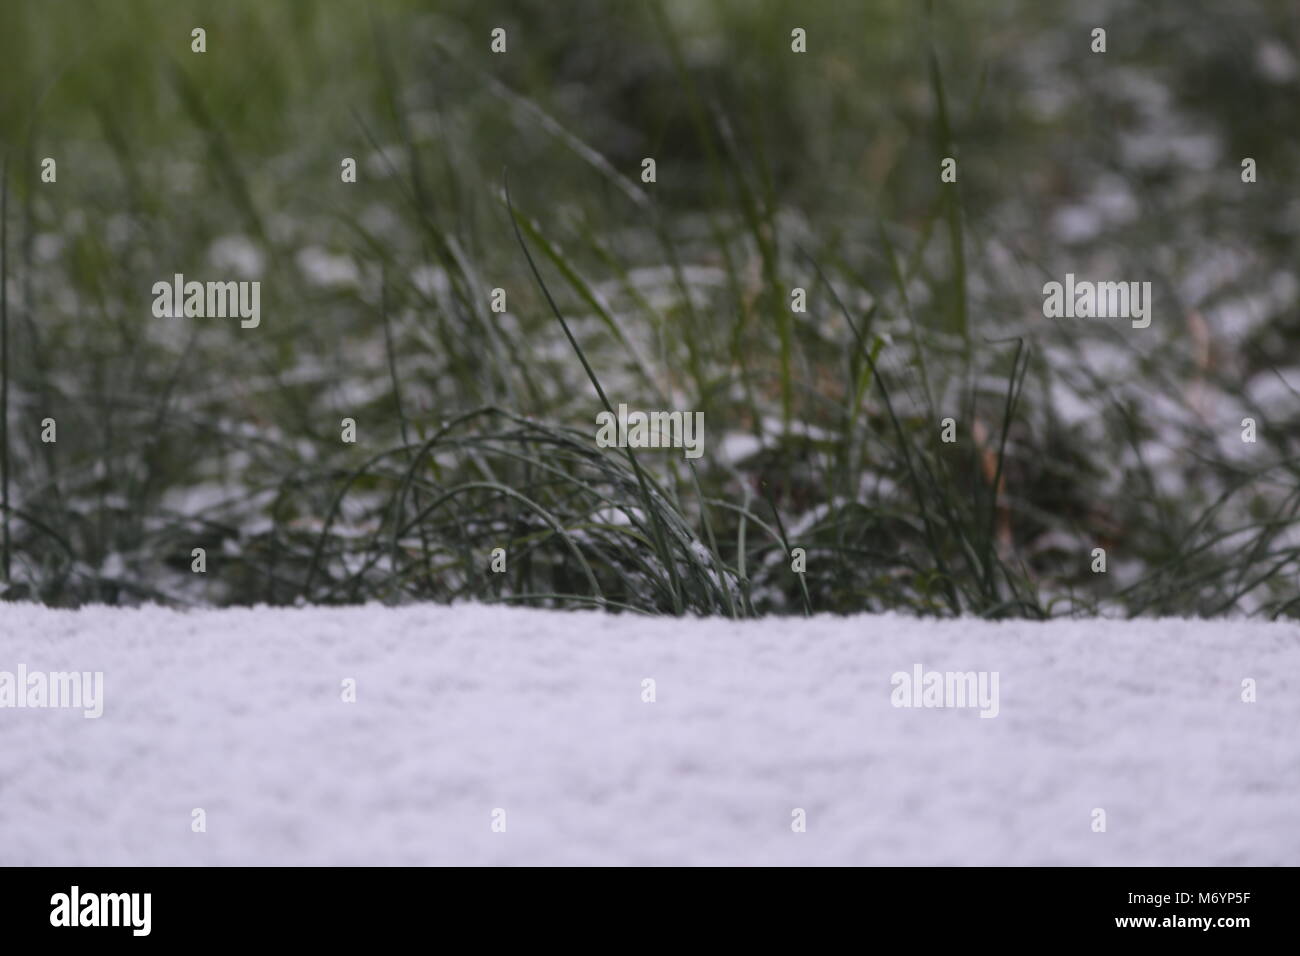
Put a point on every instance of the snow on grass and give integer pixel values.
(466, 709)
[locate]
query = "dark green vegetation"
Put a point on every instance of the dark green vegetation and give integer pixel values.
(776, 171)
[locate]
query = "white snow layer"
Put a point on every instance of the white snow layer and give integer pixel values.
(464, 711)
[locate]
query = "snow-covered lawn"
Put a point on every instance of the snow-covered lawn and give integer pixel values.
(467, 710)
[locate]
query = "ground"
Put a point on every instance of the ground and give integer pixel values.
(464, 710)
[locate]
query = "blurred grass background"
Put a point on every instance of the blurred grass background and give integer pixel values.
(775, 171)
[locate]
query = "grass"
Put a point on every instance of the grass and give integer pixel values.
(776, 172)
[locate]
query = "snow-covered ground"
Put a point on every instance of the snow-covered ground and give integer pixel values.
(464, 711)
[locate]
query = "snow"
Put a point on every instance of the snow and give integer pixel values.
(463, 710)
